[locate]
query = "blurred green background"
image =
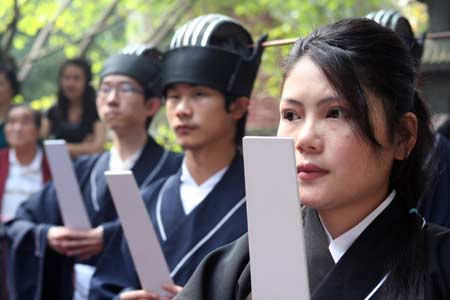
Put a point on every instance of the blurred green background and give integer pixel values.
(41, 34)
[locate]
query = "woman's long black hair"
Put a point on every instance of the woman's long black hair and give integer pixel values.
(89, 94)
(358, 57)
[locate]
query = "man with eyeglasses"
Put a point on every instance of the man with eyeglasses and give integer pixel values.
(51, 261)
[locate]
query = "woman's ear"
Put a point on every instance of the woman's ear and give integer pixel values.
(407, 137)
(239, 107)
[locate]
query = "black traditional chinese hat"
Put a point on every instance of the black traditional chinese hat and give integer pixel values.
(141, 63)
(215, 51)
(400, 25)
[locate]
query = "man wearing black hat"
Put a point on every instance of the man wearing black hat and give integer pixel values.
(44, 252)
(208, 75)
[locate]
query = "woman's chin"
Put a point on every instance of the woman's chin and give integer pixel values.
(307, 203)
(312, 202)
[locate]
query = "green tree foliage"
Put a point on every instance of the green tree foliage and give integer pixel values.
(71, 24)
(71, 27)
(283, 19)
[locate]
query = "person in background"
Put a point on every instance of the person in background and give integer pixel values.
(9, 87)
(208, 76)
(3, 263)
(50, 261)
(23, 171)
(23, 167)
(441, 123)
(74, 116)
(435, 206)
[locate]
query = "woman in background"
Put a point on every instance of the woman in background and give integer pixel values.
(74, 117)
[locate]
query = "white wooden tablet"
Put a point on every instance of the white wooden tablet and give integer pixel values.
(68, 192)
(145, 249)
(277, 250)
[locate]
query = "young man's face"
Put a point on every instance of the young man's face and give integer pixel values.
(122, 105)
(199, 117)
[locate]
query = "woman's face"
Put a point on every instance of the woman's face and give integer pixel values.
(73, 82)
(336, 168)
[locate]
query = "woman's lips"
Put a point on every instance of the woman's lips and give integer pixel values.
(310, 171)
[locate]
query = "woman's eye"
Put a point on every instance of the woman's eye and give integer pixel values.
(335, 113)
(290, 115)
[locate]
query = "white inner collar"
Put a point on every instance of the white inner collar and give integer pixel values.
(342, 243)
(116, 162)
(191, 193)
(35, 164)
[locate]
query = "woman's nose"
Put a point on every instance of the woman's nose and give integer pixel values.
(309, 139)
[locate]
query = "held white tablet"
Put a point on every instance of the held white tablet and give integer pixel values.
(68, 192)
(145, 249)
(277, 250)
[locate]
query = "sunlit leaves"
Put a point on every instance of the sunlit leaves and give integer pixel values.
(134, 20)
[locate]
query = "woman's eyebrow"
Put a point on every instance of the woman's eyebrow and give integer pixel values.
(327, 100)
(321, 102)
(293, 101)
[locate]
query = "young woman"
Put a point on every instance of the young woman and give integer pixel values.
(362, 134)
(74, 117)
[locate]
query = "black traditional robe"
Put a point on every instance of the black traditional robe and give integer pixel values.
(3, 255)
(38, 272)
(185, 239)
(436, 204)
(359, 274)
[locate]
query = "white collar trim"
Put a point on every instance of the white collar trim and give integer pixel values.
(342, 243)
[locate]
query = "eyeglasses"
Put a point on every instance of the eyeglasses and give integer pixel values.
(122, 89)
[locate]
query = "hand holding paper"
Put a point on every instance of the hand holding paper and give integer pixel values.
(171, 289)
(80, 243)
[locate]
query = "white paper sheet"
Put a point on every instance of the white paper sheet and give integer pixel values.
(277, 250)
(145, 249)
(68, 192)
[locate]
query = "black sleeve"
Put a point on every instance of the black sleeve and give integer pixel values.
(222, 275)
(3, 247)
(436, 204)
(437, 243)
(115, 270)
